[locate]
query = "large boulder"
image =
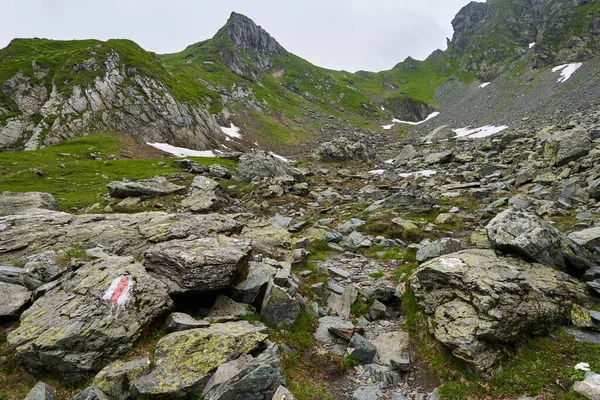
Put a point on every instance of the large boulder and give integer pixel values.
(198, 265)
(205, 195)
(260, 164)
(184, 361)
(252, 378)
(90, 319)
(279, 309)
(252, 289)
(407, 154)
(153, 187)
(343, 148)
(13, 299)
(563, 147)
(479, 304)
(116, 379)
(517, 231)
(41, 391)
(13, 203)
(588, 238)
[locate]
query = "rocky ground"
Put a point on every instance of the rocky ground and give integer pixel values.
(344, 276)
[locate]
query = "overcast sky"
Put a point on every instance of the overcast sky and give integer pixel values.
(340, 34)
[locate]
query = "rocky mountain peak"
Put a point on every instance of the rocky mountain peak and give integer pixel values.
(468, 19)
(245, 34)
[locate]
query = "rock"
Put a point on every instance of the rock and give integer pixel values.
(390, 347)
(403, 225)
(184, 361)
(265, 235)
(90, 319)
(351, 225)
(153, 187)
(323, 333)
(279, 309)
(563, 147)
(282, 221)
(346, 333)
(177, 322)
(185, 163)
(588, 238)
(283, 394)
(343, 148)
(225, 307)
(198, 265)
(205, 195)
(437, 248)
(440, 133)
(516, 231)
(90, 393)
(443, 157)
(116, 379)
(594, 189)
(18, 276)
(247, 378)
(377, 311)
(362, 349)
(260, 164)
(129, 202)
(591, 274)
(41, 391)
(384, 374)
(219, 171)
(252, 289)
(478, 304)
(580, 317)
(413, 203)
(367, 393)
(589, 387)
(14, 203)
(403, 363)
(13, 299)
(333, 237)
(407, 154)
(341, 304)
(43, 267)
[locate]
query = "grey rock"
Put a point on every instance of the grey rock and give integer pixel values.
(18, 276)
(402, 363)
(279, 309)
(247, 378)
(384, 374)
(224, 307)
(340, 304)
(334, 287)
(437, 248)
(205, 195)
(588, 238)
(198, 265)
(391, 347)
(322, 333)
(116, 379)
(90, 319)
(440, 133)
(41, 391)
(13, 299)
(260, 164)
(177, 322)
(283, 394)
(443, 157)
(282, 221)
(43, 266)
(252, 289)
(153, 187)
(584, 336)
(219, 171)
(589, 387)
(594, 189)
(377, 311)
(351, 225)
(407, 154)
(362, 349)
(367, 393)
(333, 237)
(563, 147)
(503, 302)
(343, 148)
(90, 393)
(14, 203)
(516, 231)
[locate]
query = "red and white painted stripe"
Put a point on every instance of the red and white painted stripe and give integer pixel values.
(119, 291)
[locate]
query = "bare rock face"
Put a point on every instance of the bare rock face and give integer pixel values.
(517, 231)
(153, 187)
(90, 319)
(479, 304)
(198, 265)
(12, 203)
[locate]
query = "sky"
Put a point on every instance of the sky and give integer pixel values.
(349, 35)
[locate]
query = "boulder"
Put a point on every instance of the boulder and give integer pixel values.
(198, 265)
(323, 333)
(479, 304)
(18, 276)
(443, 157)
(177, 322)
(563, 147)
(362, 349)
(517, 231)
(252, 289)
(341, 304)
(279, 309)
(219, 171)
(13, 299)
(260, 164)
(116, 379)
(252, 378)
(589, 387)
(90, 319)
(408, 202)
(90, 393)
(343, 148)
(184, 361)
(153, 187)
(43, 266)
(391, 347)
(266, 236)
(437, 248)
(407, 154)
(225, 307)
(367, 393)
(14, 203)
(205, 195)
(440, 133)
(283, 394)
(41, 391)
(588, 238)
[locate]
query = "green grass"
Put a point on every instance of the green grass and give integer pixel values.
(82, 181)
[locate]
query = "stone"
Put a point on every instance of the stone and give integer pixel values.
(407, 154)
(588, 238)
(367, 393)
(184, 361)
(282, 221)
(43, 266)
(18, 276)
(153, 187)
(41, 391)
(116, 379)
(517, 231)
(351, 225)
(343, 148)
(581, 317)
(252, 289)
(403, 225)
(594, 189)
(13, 299)
(341, 304)
(440, 133)
(185, 163)
(283, 394)
(390, 347)
(224, 307)
(178, 321)
(90, 393)
(377, 310)
(90, 319)
(323, 334)
(403, 363)
(260, 164)
(443, 157)
(198, 265)
(563, 147)
(16, 202)
(362, 349)
(248, 377)
(333, 237)
(219, 171)
(478, 303)
(265, 235)
(437, 248)
(279, 309)
(205, 195)
(589, 387)
(346, 333)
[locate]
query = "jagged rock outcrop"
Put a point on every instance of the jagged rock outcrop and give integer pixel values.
(258, 164)
(479, 304)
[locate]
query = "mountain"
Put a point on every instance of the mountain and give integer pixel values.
(54, 90)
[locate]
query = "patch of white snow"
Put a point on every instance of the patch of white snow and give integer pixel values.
(181, 151)
(387, 127)
(582, 367)
(484, 84)
(426, 173)
(432, 115)
(282, 158)
(478, 133)
(233, 131)
(390, 161)
(377, 172)
(566, 71)
(531, 45)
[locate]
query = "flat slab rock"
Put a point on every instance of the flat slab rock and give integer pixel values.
(13, 203)
(590, 386)
(153, 187)
(13, 299)
(90, 319)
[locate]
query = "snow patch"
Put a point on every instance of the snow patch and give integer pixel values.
(531, 45)
(566, 71)
(282, 158)
(478, 133)
(233, 131)
(432, 115)
(377, 172)
(451, 262)
(387, 127)
(582, 367)
(390, 161)
(425, 172)
(181, 151)
(382, 108)
(484, 84)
